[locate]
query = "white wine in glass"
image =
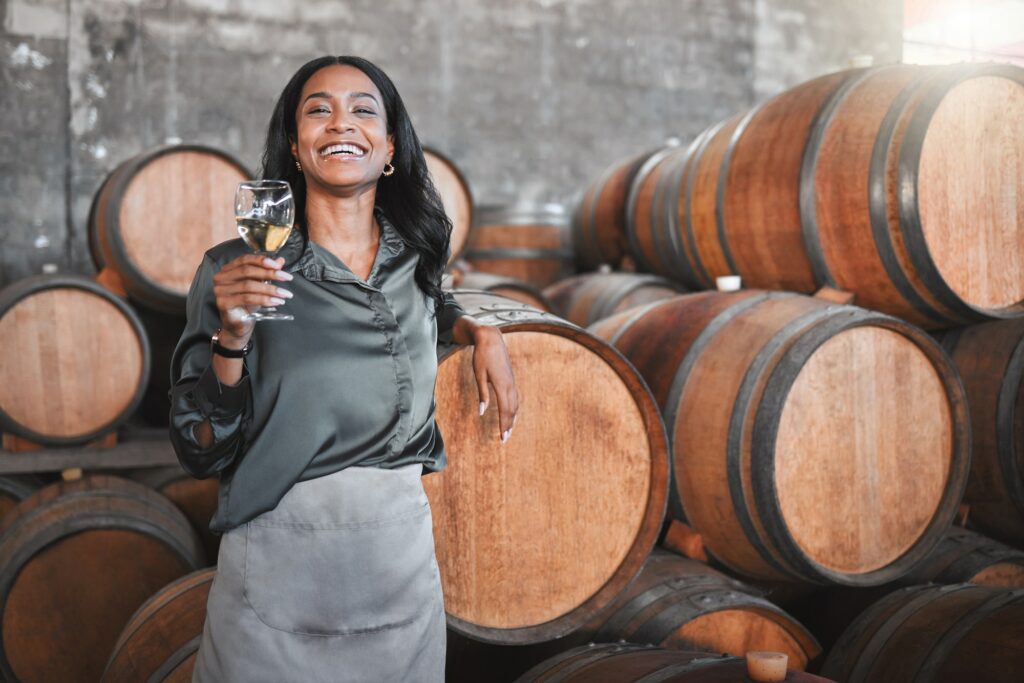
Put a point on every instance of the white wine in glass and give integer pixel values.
(265, 214)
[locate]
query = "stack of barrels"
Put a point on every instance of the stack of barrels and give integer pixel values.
(814, 442)
(693, 477)
(93, 356)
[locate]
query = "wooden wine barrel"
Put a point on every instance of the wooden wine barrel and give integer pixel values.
(158, 631)
(529, 243)
(629, 663)
(585, 299)
(960, 557)
(655, 248)
(811, 441)
(79, 559)
(15, 488)
(156, 215)
(455, 195)
(196, 498)
(936, 634)
(536, 535)
(178, 667)
(510, 287)
(599, 221)
(683, 604)
(163, 330)
(676, 603)
(990, 358)
(896, 183)
(963, 556)
(77, 360)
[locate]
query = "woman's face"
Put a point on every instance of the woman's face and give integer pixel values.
(342, 138)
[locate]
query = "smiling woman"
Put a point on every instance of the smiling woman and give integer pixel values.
(321, 428)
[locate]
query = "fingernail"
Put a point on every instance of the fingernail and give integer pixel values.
(483, 406)
(285, 293)
(269, 262)
(514, 418)
(274, 301)
(505, 435)
(285, 275)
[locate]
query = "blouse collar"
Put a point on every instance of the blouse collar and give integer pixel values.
(299, 253)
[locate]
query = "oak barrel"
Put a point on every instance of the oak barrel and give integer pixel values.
(896, 183)
(510, 287)
(529, 242)
(676, 603)
(934, 634)
(155, 635)
(654, 246)
(811, 441)
(196, 498)
(77, 364)
(455, 195)
(157, 213)
(584, 299)
(79, 559)
(536, 535)
(599, 220)
(683, 604)
(15, 488)
(963, 556)
(629, 663)
(990, 358)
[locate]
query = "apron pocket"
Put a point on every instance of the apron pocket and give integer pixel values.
(340, 579)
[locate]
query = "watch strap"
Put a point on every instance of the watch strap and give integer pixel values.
(220, 350)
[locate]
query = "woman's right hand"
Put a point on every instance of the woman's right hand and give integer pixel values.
(242, 286)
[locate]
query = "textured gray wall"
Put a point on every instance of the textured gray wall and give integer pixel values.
(529, 98)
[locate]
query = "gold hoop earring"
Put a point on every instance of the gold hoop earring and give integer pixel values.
(298, 166)
(388, 169)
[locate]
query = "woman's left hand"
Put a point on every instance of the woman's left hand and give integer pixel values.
(491, 364)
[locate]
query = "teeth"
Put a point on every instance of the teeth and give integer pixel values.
(344, 148)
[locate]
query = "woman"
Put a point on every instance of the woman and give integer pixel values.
(321, 427)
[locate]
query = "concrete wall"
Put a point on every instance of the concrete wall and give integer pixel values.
(530, 98)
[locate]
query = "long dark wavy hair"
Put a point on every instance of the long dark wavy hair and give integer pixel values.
(408, 197)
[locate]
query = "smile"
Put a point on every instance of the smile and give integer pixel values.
(345, 150)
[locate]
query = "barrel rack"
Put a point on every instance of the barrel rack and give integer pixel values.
(136, 448)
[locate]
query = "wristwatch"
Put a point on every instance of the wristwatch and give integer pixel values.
(225, 351)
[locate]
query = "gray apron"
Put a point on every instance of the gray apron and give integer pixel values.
(338, 583)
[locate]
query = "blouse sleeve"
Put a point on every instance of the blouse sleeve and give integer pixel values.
(196, 392)
(451, 311)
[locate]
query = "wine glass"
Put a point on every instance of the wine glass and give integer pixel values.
(265, 212)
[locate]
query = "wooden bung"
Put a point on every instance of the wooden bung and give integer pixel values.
(455, 196)
(789, 417)
(766, 667)
(525, 554)
(82, 361)
(629, 663)
(80, 558)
